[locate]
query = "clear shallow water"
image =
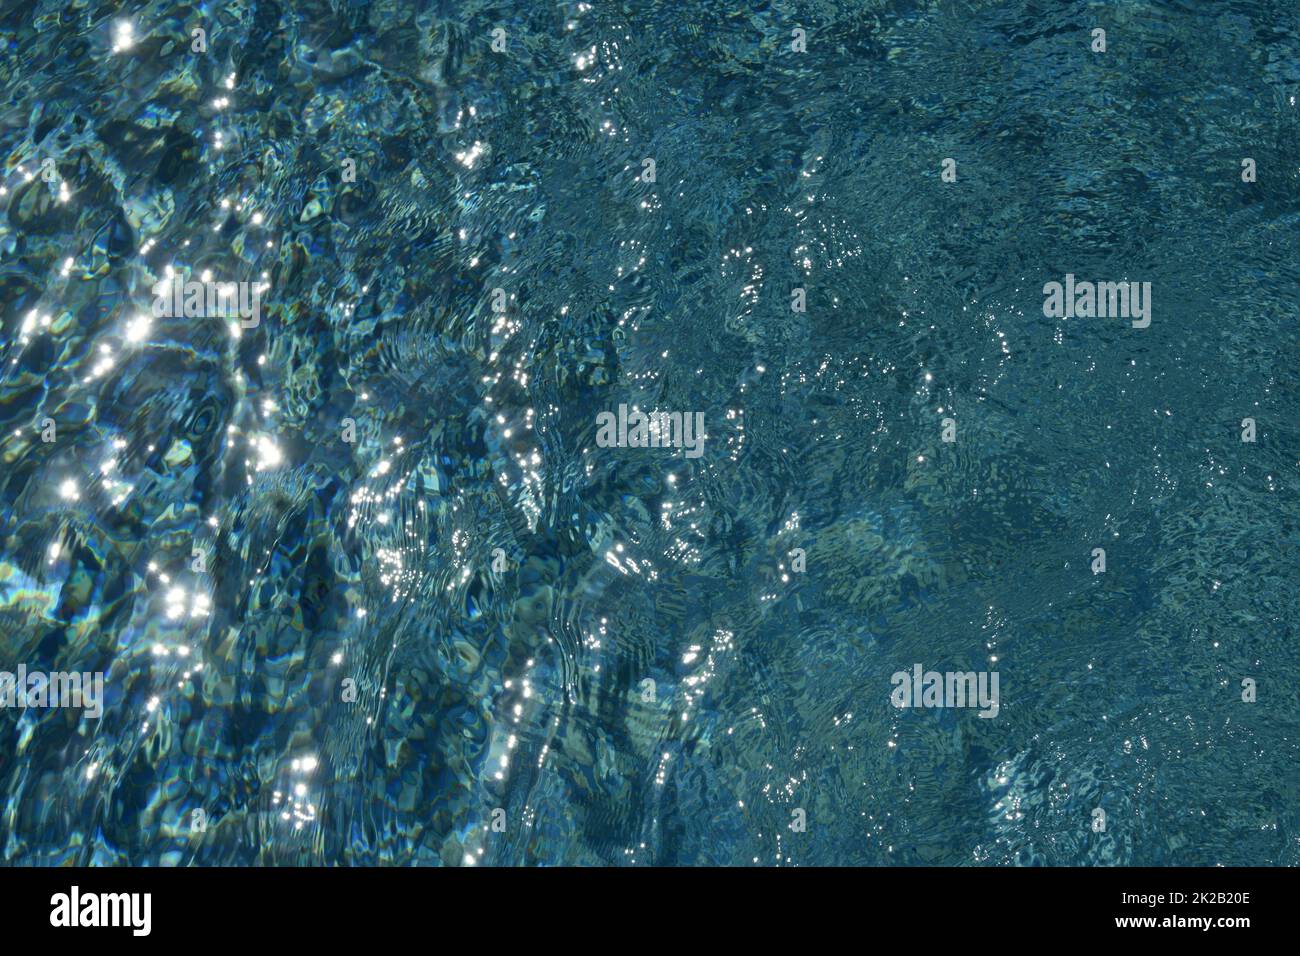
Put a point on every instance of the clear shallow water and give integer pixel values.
(370, 560)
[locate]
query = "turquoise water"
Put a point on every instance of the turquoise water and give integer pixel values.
(367, 585)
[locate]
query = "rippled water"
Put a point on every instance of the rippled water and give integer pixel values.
(305, 642)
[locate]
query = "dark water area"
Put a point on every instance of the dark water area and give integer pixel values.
(309, 324)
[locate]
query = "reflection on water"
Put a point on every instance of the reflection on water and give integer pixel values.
(364, 585)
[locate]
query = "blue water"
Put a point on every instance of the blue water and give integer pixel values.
(365, 587)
